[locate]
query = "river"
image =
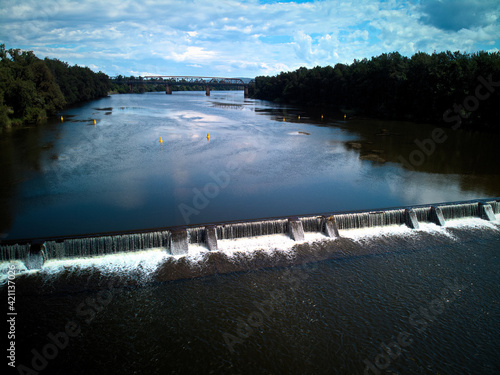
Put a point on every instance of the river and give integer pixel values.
(389, 300)
(260, 160)
(402, 302)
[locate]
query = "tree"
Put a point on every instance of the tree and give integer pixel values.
(420, 88)
(32, 89)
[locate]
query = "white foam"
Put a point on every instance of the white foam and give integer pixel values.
(431, 228)
(473, 222)
(5, 267)
(393, 230)
(435, 229)
(267, 243)
(195, 252)
(146, 261)
(374, 232)
(19, 266)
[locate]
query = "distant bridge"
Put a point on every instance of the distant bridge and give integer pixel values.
(170, 81)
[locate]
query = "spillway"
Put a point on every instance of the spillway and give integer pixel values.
(179, 240)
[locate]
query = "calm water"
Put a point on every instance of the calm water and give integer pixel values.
(416, 302)
(74, 177)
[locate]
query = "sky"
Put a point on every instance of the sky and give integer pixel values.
(230, 38)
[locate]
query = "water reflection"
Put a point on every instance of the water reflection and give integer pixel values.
(66, 178)
(471, 156)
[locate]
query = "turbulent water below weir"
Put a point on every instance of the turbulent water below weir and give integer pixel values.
(383, 300)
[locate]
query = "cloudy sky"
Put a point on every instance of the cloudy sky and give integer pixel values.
(243, 38)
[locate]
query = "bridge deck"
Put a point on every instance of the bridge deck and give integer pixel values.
(186, 80)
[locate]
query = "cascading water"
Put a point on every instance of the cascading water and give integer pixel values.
(458, 211)
(8, 252)
(313, 224)
(91, 246)
(196, 235)
(495, 205)
(252, 229)
(370, 219)
(113, 244)
(423, 214)
(370, 291)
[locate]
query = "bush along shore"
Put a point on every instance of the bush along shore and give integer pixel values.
(32, 89)
(440, 88)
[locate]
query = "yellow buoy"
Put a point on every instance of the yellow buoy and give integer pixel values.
(208, 136)
(299, 117)
(161, 140)
(62, 119)
(345, 116)
(322, 117)
(283, 119)
(95, 122)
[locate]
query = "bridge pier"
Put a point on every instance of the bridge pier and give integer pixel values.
(168, 89)
(207, 90)
(246, 91)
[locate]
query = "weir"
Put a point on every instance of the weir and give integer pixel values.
(176, 240)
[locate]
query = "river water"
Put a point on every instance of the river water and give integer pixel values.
(261, 160)
(388, 300)
(399, 301)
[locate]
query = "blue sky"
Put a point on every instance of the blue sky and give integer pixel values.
(241, 38)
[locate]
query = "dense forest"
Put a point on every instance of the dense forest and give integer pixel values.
(446, 87)
(32, 89)
(437, 88)
(119, 85)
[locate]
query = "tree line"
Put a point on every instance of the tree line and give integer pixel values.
(32, 89)
(120, 85)
(433, 88)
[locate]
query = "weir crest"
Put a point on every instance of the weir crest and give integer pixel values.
(176, 241)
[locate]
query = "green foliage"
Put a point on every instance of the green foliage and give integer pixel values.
(420, 88)
(126, 85)
(32, 89)
(78, 84)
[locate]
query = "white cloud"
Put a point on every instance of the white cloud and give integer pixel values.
(303, 46)
(244, 38)
(192, 54)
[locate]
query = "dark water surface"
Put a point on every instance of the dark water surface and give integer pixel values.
(76, 177)
(424, 302)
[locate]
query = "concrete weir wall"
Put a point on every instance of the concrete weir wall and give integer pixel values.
(176, 241)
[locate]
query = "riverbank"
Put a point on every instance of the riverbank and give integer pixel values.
(447, 89)
(32, 90)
